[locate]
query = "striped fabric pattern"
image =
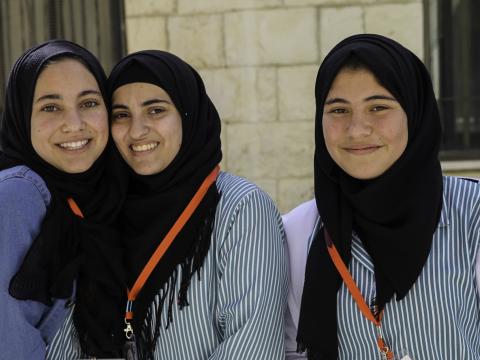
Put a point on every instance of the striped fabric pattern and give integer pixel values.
(440, 316)
(237, 304)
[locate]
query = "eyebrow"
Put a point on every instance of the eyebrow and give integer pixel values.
(145, 103)
(49, 97)
(90, 92)
(60, 97)
(370, 98)
(154, 101)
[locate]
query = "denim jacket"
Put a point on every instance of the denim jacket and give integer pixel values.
(27, 326)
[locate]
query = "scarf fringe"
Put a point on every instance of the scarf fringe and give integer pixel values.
(312, 353)
(192, 264)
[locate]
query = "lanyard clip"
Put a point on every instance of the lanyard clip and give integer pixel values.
(385, 351)
(128, 330)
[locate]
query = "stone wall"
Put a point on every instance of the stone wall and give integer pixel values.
(259, 60)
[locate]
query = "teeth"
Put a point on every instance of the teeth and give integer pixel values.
(145, 147)
(74, 145)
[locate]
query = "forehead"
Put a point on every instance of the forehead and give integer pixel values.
(356, 82)
(64, 74)
(139, 91)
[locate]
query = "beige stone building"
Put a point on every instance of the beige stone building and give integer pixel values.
(259, 60)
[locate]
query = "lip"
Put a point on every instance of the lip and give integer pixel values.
(143, 148)
(362, 149)
(74, 145)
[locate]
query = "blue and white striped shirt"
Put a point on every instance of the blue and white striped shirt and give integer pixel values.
(440, 316)
(236, 308)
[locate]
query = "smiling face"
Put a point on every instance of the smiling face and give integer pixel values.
(69, 121)
(364, 126)
(146, 127)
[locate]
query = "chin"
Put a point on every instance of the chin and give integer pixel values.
(363, 174)
(76, 169)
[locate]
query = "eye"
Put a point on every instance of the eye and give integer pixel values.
(90, 104)
(337, 111)
(156, 110)
(119, 116)
(50, 108)
(378, 108)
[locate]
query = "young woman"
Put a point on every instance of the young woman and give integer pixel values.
(53, 135)
(205, 257)
(383, 259)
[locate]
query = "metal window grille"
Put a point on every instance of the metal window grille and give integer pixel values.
(454, 58)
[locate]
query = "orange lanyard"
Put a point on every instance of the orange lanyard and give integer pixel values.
(74, 207)
(164, 245)
(357, 296)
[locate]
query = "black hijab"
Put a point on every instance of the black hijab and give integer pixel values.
(67, 247)
(395, 215)
(154, 202)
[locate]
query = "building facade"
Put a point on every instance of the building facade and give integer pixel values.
(259, 60)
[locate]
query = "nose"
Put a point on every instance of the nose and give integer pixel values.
(138, 128)
(359, 126)
(73, 122)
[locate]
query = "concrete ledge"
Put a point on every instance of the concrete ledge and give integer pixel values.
(461, 165)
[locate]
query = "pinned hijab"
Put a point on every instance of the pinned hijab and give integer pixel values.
(395, 214)
(68, 249)
(154, 202)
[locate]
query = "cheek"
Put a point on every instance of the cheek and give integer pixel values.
(331, 132)
(118, 133)
(395, 131)
(41, 128)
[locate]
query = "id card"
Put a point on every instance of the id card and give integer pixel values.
(404, 355)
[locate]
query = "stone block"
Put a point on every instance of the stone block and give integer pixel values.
(148, 7)
(338, 23)
(401, 22)
(296, 92)
(197, 39)
(271, 150)
(280, 36)
(203, 6)
(294, 191)
(146, 33)
(242, 94)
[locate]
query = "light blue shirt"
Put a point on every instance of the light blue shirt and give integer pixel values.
(28, 326)
(237, 303)
(440, 316)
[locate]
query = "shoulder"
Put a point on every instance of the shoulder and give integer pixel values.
(461, 196)
(20, 184)
(301, 217)
(24, 200)
(299, 224)
(245, 206)
(238, 193)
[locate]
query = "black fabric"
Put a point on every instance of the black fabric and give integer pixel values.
(67, 247)
(154, 202)
(395, 215)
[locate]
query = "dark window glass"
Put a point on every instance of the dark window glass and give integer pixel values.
(95, 24)
(454, 34)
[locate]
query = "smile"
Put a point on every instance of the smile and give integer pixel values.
(362, 150)
(144, 147)
(74, 145)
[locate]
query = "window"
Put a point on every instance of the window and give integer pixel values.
(95, 24)
(453, 54)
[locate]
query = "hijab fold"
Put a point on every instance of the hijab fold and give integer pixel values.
(69, 252)
(394, 215)
(154, 202)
